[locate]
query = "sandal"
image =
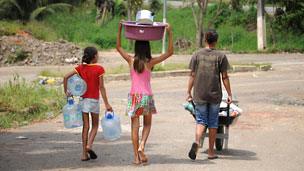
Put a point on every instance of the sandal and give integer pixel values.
(92, 154)
(193, 151)
(87, 159)
(212, 157)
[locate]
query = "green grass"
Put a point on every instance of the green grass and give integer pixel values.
(48, 73)
(80, 27)
(39, 30)
(22, 102)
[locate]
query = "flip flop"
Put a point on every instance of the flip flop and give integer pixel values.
(92, 154)
(87, 159)
(136, 164)
(212, 157)
(193, 151)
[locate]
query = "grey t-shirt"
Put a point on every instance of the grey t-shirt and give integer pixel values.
(207, 64)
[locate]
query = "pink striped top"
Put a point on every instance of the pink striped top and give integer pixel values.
(140, 82)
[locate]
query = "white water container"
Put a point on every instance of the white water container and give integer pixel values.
(76, 85)
(111, 127)
(72, 115)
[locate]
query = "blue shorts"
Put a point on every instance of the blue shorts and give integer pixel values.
(207, 114)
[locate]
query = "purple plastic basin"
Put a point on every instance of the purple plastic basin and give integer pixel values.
(144, 32)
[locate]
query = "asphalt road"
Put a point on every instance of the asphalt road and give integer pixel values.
(268, 136)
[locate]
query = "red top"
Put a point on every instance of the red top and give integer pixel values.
(90, 73)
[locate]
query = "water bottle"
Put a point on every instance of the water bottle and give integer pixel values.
(72, 114)
(76, 85)
(111, 127)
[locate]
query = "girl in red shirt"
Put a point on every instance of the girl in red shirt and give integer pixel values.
(92, 74)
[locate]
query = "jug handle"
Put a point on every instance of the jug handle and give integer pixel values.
(112, 112)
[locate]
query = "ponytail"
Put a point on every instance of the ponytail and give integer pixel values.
(89, 54)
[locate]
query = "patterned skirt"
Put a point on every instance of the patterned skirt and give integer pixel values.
(140, 104)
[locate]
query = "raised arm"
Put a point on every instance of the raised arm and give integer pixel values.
(121, 51)
(169, 52)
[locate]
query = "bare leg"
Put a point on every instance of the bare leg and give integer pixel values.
(135, 138)
(212, 137)
(85, 131)
(145, 135)
(200, 129)
(95, 121)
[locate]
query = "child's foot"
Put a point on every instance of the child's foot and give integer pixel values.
(212, 155)
(143, 158)
(136, 161)
(85, 157)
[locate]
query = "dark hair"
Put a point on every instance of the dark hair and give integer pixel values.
(89, 54)
(211, 36)
(142, 55)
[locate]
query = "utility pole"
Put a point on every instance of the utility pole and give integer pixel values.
(164, 21)
(261, 25)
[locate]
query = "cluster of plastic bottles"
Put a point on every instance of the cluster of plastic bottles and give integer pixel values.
(72, 114)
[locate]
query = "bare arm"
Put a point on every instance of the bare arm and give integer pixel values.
(121, 51)
(65, 81)
(169, 52)
(190, 86)
(226, 82)
(104, 94)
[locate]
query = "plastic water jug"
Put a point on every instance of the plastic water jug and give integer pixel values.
(111, 127)
(72, 115)
(76, 85)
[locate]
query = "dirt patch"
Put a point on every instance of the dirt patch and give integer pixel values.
(23, 49)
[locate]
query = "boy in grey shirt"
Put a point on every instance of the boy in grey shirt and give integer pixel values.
(208, 66)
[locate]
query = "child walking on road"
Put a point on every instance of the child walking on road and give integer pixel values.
(140, 98)
(92, 74)
(208, 67)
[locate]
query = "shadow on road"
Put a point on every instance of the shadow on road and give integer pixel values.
(62, 150)
(236, 154)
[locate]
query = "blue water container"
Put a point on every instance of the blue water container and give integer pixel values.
(72, 115)
(76, 85)
(111, 127)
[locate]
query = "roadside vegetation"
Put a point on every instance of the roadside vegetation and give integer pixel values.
(22, 103)
(79, 23)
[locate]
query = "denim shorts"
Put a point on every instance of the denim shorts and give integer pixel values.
(90, 105)
(207, 114)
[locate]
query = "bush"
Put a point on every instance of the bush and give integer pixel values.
(21, 102)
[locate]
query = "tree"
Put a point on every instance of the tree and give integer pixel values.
(236, 5)
(29, 9)
(133, 6)
(198, 15)
(104, 9)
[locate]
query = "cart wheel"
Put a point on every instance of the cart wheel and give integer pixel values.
(219, 142)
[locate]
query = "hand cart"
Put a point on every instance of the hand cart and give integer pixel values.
(223, 127)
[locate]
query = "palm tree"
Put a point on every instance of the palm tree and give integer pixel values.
(29, 9)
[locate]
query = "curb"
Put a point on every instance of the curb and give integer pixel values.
(159, 74)
(251, 68)
(185, 72)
